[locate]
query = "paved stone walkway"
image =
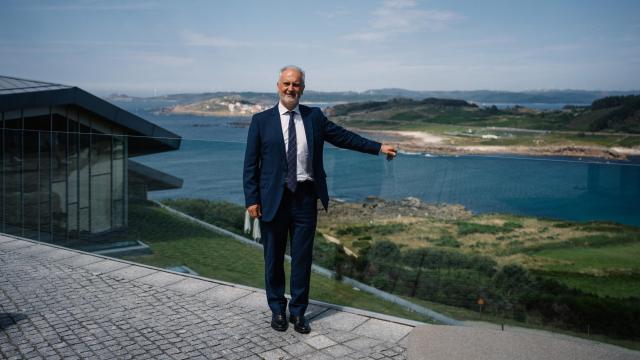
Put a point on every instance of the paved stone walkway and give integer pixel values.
(63, 304)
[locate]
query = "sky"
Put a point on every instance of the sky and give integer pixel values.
(162, 47)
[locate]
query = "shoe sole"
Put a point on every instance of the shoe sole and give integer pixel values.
(301, 331)
(279, 328)
(297, 329)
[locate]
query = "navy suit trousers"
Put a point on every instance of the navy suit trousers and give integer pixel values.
(296, 218)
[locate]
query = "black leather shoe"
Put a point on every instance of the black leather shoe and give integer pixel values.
(300, 324)
(279, 322)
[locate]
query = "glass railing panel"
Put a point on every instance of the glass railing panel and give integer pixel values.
(543, 242)
(550, 243)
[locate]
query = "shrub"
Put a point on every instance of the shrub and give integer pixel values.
(448, 241)
(467, 228)
(220, 213)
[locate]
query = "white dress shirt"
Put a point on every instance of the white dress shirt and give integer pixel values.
(303, 167)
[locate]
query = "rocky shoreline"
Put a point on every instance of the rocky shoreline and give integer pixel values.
(183, 110)
(420, 142)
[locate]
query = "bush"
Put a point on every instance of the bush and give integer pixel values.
(448, 241)
(220, 213)
(467, 228)
(384, 251)
(367, 230)
(431, 258)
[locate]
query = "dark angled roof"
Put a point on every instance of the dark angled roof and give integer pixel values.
(11, 85)
(147, 137)
(155, 179)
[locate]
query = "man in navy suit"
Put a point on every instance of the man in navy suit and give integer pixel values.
(283, 178)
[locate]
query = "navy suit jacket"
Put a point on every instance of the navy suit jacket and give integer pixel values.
(265, 164)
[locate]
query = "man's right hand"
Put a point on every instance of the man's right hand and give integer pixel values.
(254, 211)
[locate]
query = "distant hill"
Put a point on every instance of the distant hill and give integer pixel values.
(619, 113)
(609, 114)
(513, 97)
(579, 97)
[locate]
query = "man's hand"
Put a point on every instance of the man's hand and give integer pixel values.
(389, 150)
(254, 211)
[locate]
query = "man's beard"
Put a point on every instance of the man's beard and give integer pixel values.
(289, 100)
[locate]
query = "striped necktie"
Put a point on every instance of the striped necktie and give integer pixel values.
(292, 155)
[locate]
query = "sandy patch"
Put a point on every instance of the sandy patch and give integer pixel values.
(421, 136)
(334, 240)
(415, 138)
(635, 151)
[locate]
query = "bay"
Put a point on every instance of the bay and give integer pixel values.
(211, 156)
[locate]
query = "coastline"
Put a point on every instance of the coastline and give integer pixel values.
(226, 113)
(423, 142)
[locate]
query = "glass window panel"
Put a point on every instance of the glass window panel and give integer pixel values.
(31, 194)
(72, 220)
(59, 159)
(12, 156)
(100, 203)
(118, 147)
(100, 154)
(59, 209)
(118, 179)
(2, 175)
(84, 223)
(43, 210)
(83, 163)
(118, 214)
(73, 164)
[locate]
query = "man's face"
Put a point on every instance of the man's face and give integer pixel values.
(290, 88)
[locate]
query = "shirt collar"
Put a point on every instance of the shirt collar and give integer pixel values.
(283, 110)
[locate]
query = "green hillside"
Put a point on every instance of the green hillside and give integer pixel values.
(619, 114)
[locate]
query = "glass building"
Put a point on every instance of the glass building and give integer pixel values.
(65, 172)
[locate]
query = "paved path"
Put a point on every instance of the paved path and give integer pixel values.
(465, 342)
(57, 303)
(63, 304)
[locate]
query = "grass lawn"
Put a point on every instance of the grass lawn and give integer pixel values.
(607, 271)
(176, 241)
(614, 258)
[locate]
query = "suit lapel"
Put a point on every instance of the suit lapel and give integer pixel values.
(305, 112)
(277, 127)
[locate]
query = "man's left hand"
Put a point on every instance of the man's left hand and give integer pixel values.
(389, 150)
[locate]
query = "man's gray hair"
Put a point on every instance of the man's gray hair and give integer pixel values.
(292, 67)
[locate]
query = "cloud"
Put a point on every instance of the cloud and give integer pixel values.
(192, 38)
(160, 59)
(198, 39)
(403, 16)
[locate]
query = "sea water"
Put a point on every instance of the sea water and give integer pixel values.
(211, 155)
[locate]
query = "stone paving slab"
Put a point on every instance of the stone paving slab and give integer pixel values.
(104, 266)
(314, 310)
(225, 294)
(69, 306)
(37, 250)
(14, 245)
(57, 254)
(79, 260)
(161, 279)
(6, 239)
(132, 272)
(252, 300)
(383, 330)
(340, 320)
(191, 286)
